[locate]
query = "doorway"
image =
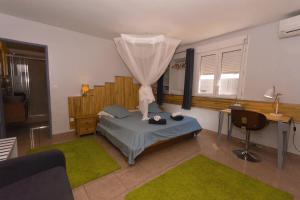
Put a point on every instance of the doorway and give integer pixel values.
(25, 91)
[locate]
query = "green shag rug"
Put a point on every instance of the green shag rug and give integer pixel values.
(85, 160)
(203, 179)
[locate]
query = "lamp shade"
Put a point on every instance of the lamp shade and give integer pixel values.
(270, 93)
(84, 89)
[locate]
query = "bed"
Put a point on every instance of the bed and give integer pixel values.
(132, 136)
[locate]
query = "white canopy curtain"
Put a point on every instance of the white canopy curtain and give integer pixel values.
(147, 57)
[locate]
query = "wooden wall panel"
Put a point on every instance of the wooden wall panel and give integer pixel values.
(99, 93)
(109, 94)
(135, 97)
(128, 92)
(88, 105)
(122, 92)
(292, 110)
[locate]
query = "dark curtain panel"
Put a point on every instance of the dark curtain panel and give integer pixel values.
(188, 80)
(160, 91)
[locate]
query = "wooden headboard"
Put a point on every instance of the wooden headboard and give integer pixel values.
(122, 92)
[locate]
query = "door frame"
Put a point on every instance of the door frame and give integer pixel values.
(47, 78)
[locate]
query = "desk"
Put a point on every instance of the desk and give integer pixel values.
(283, 127)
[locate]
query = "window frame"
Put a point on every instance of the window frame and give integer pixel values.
(219, 49)
(198, 71)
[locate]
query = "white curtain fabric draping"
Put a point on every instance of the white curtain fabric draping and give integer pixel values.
(147, 58)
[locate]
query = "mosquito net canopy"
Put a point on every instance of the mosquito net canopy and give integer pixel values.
(147, 58)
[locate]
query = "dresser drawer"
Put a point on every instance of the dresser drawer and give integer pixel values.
(87, 122)
(86, 130)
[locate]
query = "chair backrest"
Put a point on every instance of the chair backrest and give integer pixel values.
(248, 119)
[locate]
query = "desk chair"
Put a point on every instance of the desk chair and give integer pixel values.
(250, 121)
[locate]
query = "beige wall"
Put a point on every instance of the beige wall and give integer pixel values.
(271, 61)
(74, 58)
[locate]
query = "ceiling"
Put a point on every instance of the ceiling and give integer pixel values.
(188, 20)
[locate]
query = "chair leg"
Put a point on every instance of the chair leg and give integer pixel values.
(247, 141)
(245, 154)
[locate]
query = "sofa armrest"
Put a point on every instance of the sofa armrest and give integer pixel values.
(19, 168)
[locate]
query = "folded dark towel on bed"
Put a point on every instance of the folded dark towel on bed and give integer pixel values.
(159, 122)
(177, 118)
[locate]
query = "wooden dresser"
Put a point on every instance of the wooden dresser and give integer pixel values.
(85, 124)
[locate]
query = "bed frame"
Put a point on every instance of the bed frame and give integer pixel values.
(122, 92)
(162, 144)
(165, 143)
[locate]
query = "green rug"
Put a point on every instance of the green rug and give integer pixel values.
(85, 159)
(204, 179)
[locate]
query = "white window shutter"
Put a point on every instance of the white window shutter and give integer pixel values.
(231, 61)
(230, 72)
(208, 67)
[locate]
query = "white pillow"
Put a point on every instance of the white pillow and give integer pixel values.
(103, 113)
(174, 114)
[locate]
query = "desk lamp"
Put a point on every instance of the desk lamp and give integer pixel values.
(272, 94)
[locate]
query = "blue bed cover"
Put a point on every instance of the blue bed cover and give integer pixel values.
(132, 135)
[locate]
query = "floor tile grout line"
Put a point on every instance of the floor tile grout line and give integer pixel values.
(86, 192)
(163, 171)
(134, 185)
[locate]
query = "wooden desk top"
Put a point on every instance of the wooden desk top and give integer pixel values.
(269, 116)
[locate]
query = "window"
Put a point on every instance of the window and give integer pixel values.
(208, 68)
(230, 72)
(220, 70)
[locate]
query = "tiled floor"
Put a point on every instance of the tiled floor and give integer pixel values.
(116, 185)
(22, 132)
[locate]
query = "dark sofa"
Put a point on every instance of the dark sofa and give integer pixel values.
(40, 176)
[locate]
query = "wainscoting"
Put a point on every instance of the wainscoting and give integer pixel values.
(292, 110)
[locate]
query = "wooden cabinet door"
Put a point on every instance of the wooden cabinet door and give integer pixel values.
(3, 60)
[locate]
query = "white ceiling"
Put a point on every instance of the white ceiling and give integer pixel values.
(188, 20)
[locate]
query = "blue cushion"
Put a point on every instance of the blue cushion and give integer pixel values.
(117, 111)
(153, 108)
